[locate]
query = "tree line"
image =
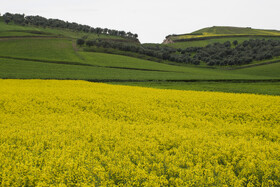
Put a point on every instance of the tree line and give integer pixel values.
(157, 51)
(237, 54)
(213, 54)
(21, 19)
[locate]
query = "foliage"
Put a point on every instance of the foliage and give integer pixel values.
(80, 42)
(74, 133)
(244, 53)
(203, 43)
(56, 23)
(212, 54)
(222, 32)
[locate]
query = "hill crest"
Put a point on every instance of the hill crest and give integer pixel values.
(220, 31)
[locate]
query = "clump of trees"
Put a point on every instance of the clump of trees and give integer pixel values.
(214, 54)
(21, 19)
(244, 53)
(80, 42)
(157, 51)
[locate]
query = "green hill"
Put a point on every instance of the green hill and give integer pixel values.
(34, 52)
(57, 28)
(215, 34)
(235, 30)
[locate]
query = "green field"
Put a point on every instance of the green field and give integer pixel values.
(266, 88)
(48, 56)
(211, 35)
(11, 68)
(236, 30)
(39, 48)
(17, 30)
(224, 32)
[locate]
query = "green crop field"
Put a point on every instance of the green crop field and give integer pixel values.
(34, 48)
(269, 70)
(48, 56)
(17, 30)
(11, 68)
(266, 88)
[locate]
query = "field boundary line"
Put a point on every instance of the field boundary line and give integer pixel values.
(83, 64)
(155, 81)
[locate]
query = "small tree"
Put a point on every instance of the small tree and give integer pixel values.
(227, 44)
(80, 42)
(7, 17)
(235, 42)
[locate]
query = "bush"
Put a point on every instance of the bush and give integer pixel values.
(80, 42)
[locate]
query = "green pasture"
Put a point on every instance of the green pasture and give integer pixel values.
(17, 30)
(266, 88)
(236, 30)
(39, 48)
(11, 68)
(269, 71)
(225, 31)
(60, 58)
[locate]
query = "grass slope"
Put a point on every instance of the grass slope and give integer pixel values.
(266, 88)
(51, 70)
(236, 30)
(17, 30)
(34, 48)
(59, 58)
(225, 31)
(53, 50)
(215, 34)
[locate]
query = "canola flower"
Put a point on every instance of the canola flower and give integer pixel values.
(76, 133)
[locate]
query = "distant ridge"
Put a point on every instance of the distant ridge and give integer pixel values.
(220, 32)
(234, 30)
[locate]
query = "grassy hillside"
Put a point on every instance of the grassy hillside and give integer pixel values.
(11, 68)
(225, 31)
(235, 30)
(215, 34)
(12, 30)
(266, 88)
(45, 53)
(42, 48)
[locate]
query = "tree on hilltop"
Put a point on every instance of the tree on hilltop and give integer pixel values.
(7, 17)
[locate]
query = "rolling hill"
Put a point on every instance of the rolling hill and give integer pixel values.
(221, 34)
(35, 52)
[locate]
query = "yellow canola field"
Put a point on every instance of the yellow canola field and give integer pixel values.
(76, 133)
